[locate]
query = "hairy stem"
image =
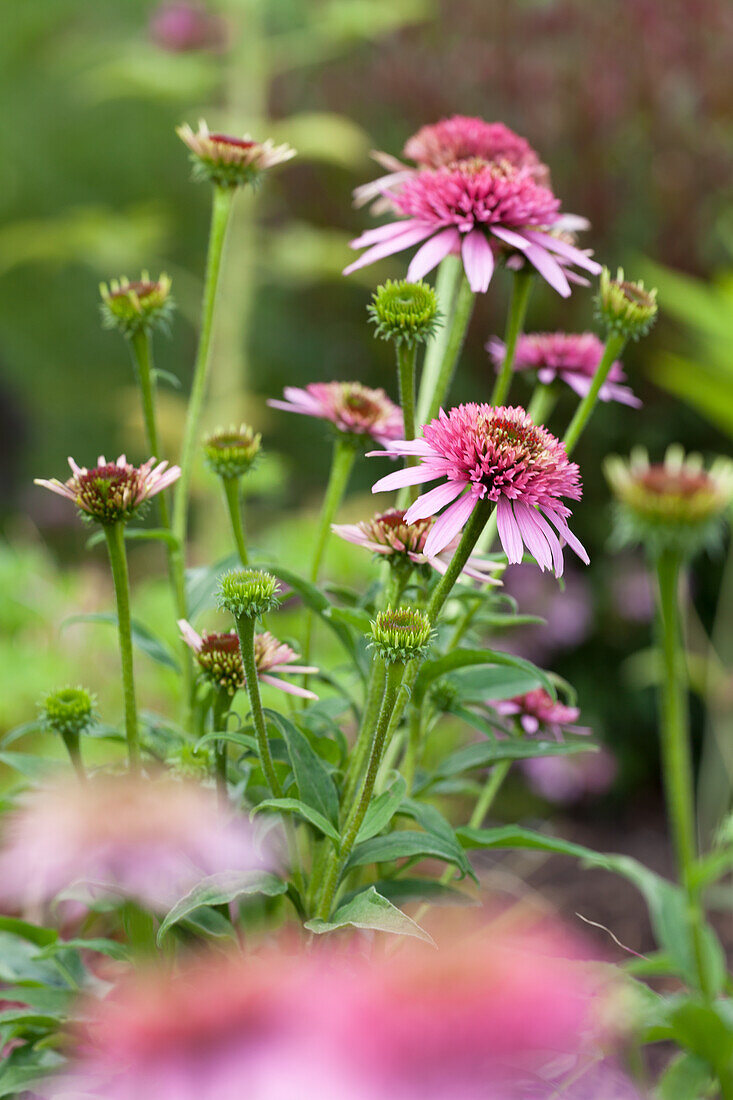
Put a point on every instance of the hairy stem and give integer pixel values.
(406, 358)
(246, 632)
(71, 741)
(231, 494)
(614, 346)
(522, 285)
(115, 534)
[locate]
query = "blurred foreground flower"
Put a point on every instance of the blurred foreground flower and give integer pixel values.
(388, 534)
(490, 1016)
(113, 491)
(354, 409)
(572, 357)
(498, 455)
(220, 657)
(147, 841)
(230, 161)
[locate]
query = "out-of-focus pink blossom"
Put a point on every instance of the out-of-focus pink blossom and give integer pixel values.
(150, 841)
(351, 407)
(538, 713)
(181, 27)
(564, 779)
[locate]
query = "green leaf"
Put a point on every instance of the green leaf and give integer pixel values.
(145, 641)
(34, 933)
(485, 753)
(136, 534)
(433, 822)
(370, 910)
(244, 740)
(33, 767)
(40, 998)
(294, 805)
(315, 786)
(512, 836)
(382, 809)
(479, 685)
(220, 889)
(462, 658)
(401, 890)
(407, 844)
(34, 726)
(111, 948)
(687, 1077)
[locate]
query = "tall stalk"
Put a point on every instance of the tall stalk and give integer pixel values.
(446, 288)
(521, 288)
(246, 632)
(614, 346)
(115, 535)
(232, 497)
(406, 359)
(456, 335)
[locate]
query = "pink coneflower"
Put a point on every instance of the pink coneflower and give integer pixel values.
(150, 841)
(220, 657)
(113, 491)
(180, 27)
(482, 452)
(538, 713)
(351, 407)
(474, 208)
(387, 533)
(570, 356)
(564, 779)
(446, 142)
(230, 161)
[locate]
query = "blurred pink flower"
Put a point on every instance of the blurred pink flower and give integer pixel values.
(571, 778)
(571, 356)
(113, 491)
(474, 208)
(150, 841)
(498, 455)
(567, 611)
(181, 27)
(351, 407)
(538, 713)
(387, 533)
(220, 658)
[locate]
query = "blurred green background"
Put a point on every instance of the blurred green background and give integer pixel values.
(631, 105)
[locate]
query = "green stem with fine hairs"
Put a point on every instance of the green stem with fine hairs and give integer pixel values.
(220, 212)
(246, 632)
(465, 300)
(677, 765)
(446, 288)
(406, 359)
(115, 535)
(231, 494)
(521, 287)
(614, 346)
(378, 738)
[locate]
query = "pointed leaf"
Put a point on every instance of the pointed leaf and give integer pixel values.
(294, 805)
(485, 753)
(315, 786)
(382, 809)
(220, 889)
(371, 911)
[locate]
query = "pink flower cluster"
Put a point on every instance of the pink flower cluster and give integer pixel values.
(351, 407)
(572, 357)
(482, 452)
(538, 713)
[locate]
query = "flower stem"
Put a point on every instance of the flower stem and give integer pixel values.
(675, 744)
(246, 632)
(494, 781)
(142, 358)
(406, 359)
(220, 710)
(614, 346)
(115, 534)
(476, 522)
(542, 403)
(465, 300)
(446, 288)
(338, 859)
(231, 493)
(220, 211)
(522, 285)
(71, 740)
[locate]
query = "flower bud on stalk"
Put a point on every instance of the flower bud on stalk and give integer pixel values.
(406, 313)
(69, 712)
(228, 161)
(625, 308)
(231, 454)
(401, 634)
(137, 306)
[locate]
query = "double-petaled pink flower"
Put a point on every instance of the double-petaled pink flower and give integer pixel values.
(351, 407)
(113, 491)
(388, 534)
(476, 208)
(538, 713)
(220, 658)
(497, 454)
(571, 356)
(149, 841)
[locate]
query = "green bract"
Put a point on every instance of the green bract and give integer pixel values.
(625, 308)
(248, 593)
(231, 452)
(68, 711)
(404, 312)
(135, 306)
(400, 634)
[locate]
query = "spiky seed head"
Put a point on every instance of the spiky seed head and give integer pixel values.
(401, 634)
(68, 711)
(132, 307)
(404, 312)
(231, 452)
(625, 308)
(673, 505)
(248, 593)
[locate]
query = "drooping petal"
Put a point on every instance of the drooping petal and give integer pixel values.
(509, 535)
(388, 248)
(412, 475)
(289, 689)
(508, 236)
(552, 541)
(381, 233)
(478, 260)
(452, 521)
(532, 535)
(432, 252)
(549, 269)
(189, 635)
(430, 503)
(574, 543)
(567, 251)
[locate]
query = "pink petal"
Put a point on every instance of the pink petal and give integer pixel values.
(532, 535)
(431, 502)
(478, 260)
(413, 475)
(622, 394)
(552, 541)
(56, 487)
(549, 269)
(562, 248)
(189, 635)
(574, 543)
(388, 248)
(448, 526)
(382, 232)
(289, 689)
(510, 237)
(432, 252)
(509, 535)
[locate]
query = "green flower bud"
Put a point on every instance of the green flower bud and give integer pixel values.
(443, 694)
(230, 454)
(401, 634)
(675, 505)
(69, 711)
(190, 762)
(132, 307)
(625, 308)
(404, 312)
(248, 593)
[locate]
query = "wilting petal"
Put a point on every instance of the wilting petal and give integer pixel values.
(532, 535)
(562, 248)
(574, 543)
(381, 233)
